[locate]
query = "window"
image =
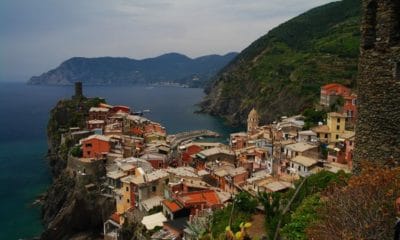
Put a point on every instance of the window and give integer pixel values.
(88, 152)
(88, 145)
(127, 200)
(337, 136)
(317, 135)
(350, 143)
(299, 168)
(338, 120)
(154, 188)
(326, 135)
(337, 127)
(127, 189)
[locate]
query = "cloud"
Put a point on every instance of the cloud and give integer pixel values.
(37, 35)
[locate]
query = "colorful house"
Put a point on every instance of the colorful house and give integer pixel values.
(98, 113)
(331, 92)
(96, 146)
(350, 108)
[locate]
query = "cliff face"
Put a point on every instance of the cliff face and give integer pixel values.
(172, 67)
(70, 210)
(281, 73)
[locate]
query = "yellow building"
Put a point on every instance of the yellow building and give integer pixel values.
(335, 126)
(336, 123)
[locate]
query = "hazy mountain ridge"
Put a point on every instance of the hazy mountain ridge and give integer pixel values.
(281, 72)
(171, 67)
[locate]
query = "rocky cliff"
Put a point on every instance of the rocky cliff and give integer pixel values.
(172, 67)
(281, 73)
(70, 210)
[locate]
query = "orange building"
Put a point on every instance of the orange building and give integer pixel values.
(199, 200)
(331, 92)
(188, 153)
(155, 128)
(350, 108)
(95, 146)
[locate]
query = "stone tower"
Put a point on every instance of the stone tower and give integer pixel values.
(78, 90)
(252, 121)
(378, 126)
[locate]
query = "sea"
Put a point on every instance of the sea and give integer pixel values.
(24, 109)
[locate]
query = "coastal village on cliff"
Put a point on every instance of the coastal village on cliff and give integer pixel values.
(169, 183)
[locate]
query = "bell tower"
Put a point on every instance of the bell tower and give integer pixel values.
(252, 121)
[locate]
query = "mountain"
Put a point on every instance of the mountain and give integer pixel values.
(281, 73)
(171, 67)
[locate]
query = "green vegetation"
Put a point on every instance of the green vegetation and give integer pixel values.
(274, 203)
(76, 151)
(304, 216)
(312, 117)
(243, 207)
(69, 113)
(281, 73)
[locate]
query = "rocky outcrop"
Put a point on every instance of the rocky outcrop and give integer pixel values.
(70, 210)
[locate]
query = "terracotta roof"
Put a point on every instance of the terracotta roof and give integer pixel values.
(333, 85)
(115, 217)
(171, 205)
(208, 197)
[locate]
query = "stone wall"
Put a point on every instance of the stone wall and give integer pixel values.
(378, 127)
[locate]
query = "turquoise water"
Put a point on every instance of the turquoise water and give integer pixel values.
(24, 113)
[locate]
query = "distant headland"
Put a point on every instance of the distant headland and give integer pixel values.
(172, 69)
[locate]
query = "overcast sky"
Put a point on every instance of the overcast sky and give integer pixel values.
(37, 35)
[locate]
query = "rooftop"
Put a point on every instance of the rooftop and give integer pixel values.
(308, 133)
(172, 205)
(304, 161)
(154, 220)
(278, 186)
(95, 121)
(336, 114)
(321, 129)
(155, 175)
(96, 136)
(152, 202)
(301, 147)
(98, 109)
(116, 174)
(216, 150)
(183, 172)
(209, 197)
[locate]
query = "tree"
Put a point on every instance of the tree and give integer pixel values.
(364, 209)
(76, 151)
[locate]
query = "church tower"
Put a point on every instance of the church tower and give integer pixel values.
(378, 126)
(252, 121)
